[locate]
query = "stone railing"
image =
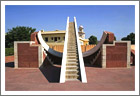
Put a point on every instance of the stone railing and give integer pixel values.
(81, 61)
(64, 57)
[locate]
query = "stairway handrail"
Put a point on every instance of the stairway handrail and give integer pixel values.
(81, 61)
(64, 57)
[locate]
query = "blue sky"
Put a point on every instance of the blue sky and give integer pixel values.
(119, 19)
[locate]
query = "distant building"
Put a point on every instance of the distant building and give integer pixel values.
(81, 32)
(57, 37)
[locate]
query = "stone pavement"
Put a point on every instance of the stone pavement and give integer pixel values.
(99, 79)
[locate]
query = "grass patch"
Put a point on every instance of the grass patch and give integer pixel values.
(9, 51)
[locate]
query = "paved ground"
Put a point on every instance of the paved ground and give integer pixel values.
(121, 79)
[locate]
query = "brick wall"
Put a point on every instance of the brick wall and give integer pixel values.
(34, 38)
(116, 56)
(110, 37)
(27, 55)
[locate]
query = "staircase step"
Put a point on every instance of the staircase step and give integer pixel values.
(72, 45)
(72, 41)
(71, 71)
(72, 57)
(72, 79)
(72, 60)
(71, 67)
(71, 64)
(72, 37)
(71, 51)
(71, 48)
(74, 49)
(71, 54)
(72, 76)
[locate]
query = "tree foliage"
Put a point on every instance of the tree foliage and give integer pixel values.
(19, 33)
(130, 37)
(9, 51)
(92, 40)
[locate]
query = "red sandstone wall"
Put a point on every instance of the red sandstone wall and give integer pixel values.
(116, 56)
(27, 55)
(111, 37)
(33, 38)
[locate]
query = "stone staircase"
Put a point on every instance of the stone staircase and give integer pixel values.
(72, 65)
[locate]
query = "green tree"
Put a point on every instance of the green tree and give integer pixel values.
(19, 33)
(92, 39)
(130, 37)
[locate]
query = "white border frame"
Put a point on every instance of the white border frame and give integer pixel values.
(3, 3)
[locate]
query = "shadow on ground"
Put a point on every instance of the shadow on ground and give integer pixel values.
(9, 64)
(89, 65)
(51, 72)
